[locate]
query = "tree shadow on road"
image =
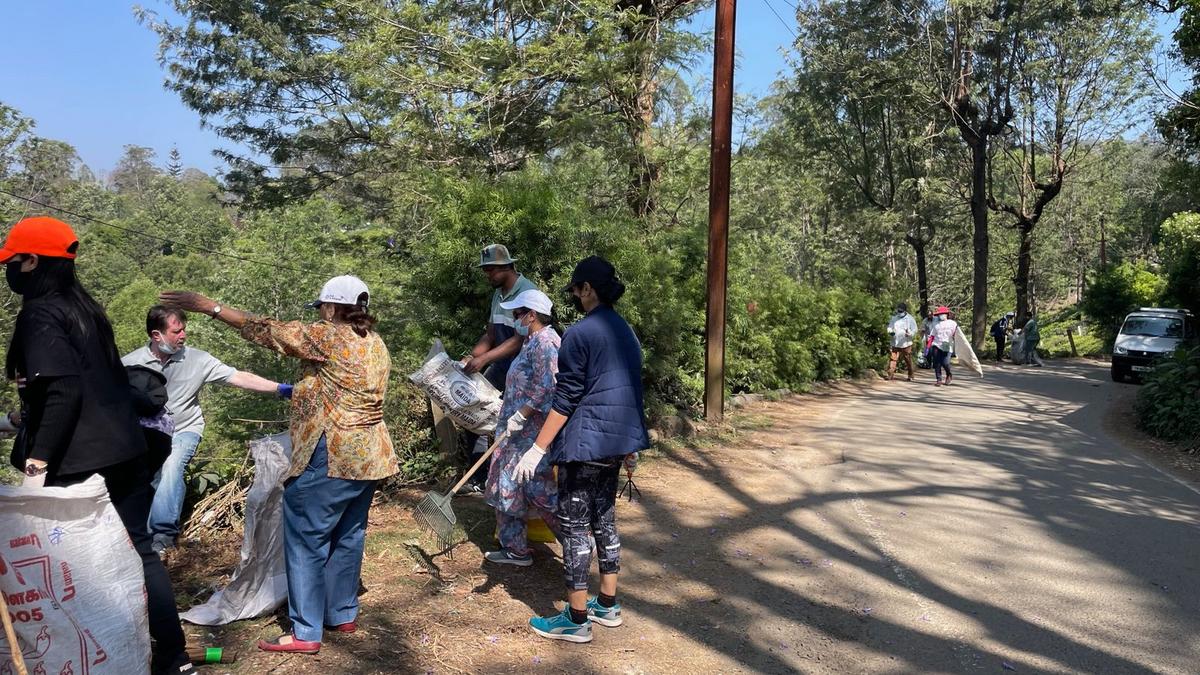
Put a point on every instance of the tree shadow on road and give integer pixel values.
(1081, 500)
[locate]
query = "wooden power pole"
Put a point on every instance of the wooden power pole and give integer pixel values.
(718, 211)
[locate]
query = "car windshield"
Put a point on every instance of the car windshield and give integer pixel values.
(1153, 326)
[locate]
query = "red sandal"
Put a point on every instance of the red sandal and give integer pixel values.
(296, 646)
(348, 627)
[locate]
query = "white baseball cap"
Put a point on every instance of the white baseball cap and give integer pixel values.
(343, 290)
(532, 299)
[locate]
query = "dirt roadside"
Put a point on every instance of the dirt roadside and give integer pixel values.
(715, 578)
(682, 543)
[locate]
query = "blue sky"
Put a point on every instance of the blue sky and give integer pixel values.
(87, 73)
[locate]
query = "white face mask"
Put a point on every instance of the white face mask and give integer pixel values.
(166, 348)
(942, 317)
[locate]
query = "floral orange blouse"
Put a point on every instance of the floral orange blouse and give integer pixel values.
(343, 379)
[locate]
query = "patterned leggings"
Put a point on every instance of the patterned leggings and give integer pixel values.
(514, 530)
(587, 504)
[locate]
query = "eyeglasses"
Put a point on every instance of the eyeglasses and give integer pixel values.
(518, 313)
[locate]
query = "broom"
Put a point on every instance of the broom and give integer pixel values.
(434, 513)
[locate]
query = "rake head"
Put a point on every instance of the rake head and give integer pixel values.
(434, 515)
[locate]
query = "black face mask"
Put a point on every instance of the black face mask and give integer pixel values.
(577, 303)
(17, 280)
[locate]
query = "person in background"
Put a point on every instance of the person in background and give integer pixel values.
(1032, 337)
(187, 370)
(79, 418)
(927, 337)
(495, 350)
(1000, 331)
(943, 342)
(340, 450)
(528, 394)
(901, 328)
(596, 421)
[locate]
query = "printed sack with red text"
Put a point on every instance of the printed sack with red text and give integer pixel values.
(73, 583)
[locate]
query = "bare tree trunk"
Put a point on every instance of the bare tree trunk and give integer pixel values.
(922, 277)
(1024, 263)
(980, 241)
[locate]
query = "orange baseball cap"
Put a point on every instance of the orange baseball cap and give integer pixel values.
(40, 235)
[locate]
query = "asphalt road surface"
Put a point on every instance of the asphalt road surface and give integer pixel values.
(990, 526)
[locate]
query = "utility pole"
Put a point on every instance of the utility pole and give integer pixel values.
(718, 211)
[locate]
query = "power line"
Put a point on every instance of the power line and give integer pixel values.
(165, 240)
(781, 21)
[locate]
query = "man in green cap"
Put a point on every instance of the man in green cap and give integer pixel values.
(499, 344)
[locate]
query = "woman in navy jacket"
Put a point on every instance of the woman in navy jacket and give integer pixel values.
(596, 420)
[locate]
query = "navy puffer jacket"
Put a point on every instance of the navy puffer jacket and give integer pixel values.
(599, 390)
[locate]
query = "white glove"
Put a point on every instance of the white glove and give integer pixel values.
(516, 423)
(528, 464)
(35, 481)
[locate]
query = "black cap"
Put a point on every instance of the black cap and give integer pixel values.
(594, 270)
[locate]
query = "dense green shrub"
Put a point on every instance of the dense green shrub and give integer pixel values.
(1168, 406)
(1054, 327)
(1179, 248)
(1116, 290)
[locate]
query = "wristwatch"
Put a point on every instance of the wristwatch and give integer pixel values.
(32, 469)
(216, 311)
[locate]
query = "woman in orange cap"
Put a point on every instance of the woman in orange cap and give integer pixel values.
(78, 416)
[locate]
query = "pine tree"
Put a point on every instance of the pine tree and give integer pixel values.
(174, 163)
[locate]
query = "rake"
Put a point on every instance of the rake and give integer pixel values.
(434, 513)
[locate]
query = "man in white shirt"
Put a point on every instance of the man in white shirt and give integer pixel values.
(187, 370)
(901, 328)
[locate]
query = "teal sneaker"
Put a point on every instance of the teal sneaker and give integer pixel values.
(609, 617)
(560, 627)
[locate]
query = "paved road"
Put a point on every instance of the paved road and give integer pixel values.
(1009, 531)
(991, 526)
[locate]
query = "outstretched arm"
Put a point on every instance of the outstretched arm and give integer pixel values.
(252, 382)
(195, 302)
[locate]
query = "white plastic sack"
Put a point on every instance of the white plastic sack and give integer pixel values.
(470, 400)
(1017, 349)
(73, 583)
(966, 355)
(259, 582)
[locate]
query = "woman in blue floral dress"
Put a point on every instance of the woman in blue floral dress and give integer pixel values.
(528, 393)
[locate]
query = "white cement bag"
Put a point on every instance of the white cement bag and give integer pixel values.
(259, 582)
(73, 583)
(966, 355)
(470, 400)
(1017, 349)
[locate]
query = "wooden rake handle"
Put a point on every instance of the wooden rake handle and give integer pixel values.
(471, 472)
(11, 636)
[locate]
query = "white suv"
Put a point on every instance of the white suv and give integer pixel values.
(1147, 335)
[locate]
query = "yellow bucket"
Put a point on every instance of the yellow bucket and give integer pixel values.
(535, 531)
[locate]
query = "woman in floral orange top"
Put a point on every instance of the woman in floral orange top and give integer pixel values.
(340, 450)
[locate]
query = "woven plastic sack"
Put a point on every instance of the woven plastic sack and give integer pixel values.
(470, 400)
(73, 583)
(1017, 350)
(259, 582)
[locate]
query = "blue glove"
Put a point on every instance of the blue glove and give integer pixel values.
(285, 390)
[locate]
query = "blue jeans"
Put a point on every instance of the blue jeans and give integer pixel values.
(941, 361)
(170, 489)
(324, 530)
